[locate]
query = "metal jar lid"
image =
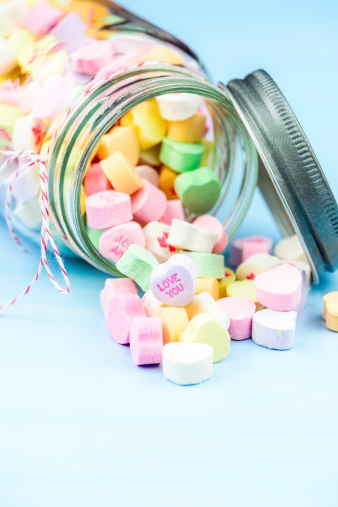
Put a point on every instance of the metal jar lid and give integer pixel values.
(290, 177)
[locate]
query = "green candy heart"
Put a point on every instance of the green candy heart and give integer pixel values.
(181, 156)
(198, 190)
(208, 265)
(138, 264)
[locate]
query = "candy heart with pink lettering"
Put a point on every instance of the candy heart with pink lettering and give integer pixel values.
(174, 282)
(115, 240)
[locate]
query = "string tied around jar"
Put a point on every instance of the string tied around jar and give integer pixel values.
(32, 158)
(46, 237)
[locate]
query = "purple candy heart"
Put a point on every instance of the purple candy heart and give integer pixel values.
(174, 282)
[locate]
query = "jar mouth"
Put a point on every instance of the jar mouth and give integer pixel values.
(234, 156)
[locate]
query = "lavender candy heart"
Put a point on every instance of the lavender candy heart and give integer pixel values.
(174, 282)
(273, 329)
(70, 32)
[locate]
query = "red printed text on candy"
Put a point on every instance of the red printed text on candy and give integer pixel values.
(162, 241)
(171, 286)
(121, 246)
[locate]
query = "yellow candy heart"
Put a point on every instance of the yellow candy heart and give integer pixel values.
(203, 328)
(21, 40)
(244, 289)
(147, 122)
(161, 54)
(229, 278)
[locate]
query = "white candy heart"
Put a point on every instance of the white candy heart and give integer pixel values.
(191, 237)
(187, 363)
(274, 330)
(178, 106)
(156, 234)
(256, 264)
(290, 248)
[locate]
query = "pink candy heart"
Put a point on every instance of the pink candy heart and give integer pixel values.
(240, 311)
(174, 282)
(115, 241)
(279, 288)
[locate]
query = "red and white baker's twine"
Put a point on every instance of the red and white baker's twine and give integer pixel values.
(31, 159)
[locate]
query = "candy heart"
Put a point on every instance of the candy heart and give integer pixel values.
(146, 172)
(147, 123)
(190, 130)
(115, 287)
(174, 321)
(41, 18)
(207, 264)
(208, 284)
(241, 247)
(191, 237)
(150, 303)
(90, 58)
(11, 14)
(302, 266)
(244, 289)
(256, 264)
(274, 330)
(137, 263)
(212, 224)
(205, 303)
(228, 278)
(187, 363)
(199, 190)
(156, 235)
(115, 241)
(181, 157)
(240, 311)
(151, 156)
(290, 248)
(174, 282)
(204, 328)
(121, 139)
(330, 310)
(178, 106)
(146, 340)
(280, 288)
(121, 312)
(174, 209)
(161, 54)
(108, 208)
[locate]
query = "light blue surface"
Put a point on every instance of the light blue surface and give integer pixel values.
(80, 425)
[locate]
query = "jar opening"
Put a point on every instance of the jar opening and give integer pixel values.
(232, 156)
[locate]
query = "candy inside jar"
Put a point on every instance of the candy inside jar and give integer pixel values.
(133, 133)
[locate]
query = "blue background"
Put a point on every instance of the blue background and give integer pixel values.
(80, 425)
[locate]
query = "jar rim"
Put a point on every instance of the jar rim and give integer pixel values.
(97, 112)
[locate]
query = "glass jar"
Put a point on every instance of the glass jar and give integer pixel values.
(249, 118)
(233, 156)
